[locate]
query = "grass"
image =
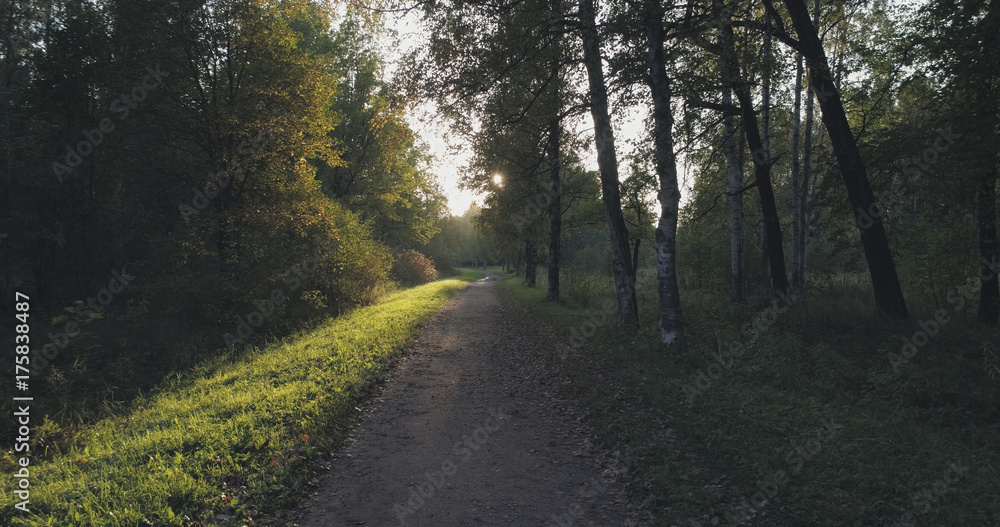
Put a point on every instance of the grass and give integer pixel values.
(917, 446)
(229, 441)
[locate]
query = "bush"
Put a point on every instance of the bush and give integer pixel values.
(412, 268)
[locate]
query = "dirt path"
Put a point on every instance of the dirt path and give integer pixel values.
(467, 434)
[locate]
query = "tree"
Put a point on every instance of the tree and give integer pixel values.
(607, 161)
(798, 187)
(381, 171)
(734, 179)
(882, 269)
(957, 38)
(759, 153)
(554, 159)
(801, 171)
(498, 67)
(555, 200)
(670, 317)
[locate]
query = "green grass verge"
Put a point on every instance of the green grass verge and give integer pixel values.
(231, 439)
(916, 447)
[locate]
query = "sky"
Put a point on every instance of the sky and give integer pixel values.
(429, 127)
(449, 159)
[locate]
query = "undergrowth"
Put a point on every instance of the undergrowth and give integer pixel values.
(812, 424)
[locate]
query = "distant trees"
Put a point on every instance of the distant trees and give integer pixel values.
(510, 99)
(957, 40)
(710, 76)
(458, 242)
(216, 152)
(381, 172)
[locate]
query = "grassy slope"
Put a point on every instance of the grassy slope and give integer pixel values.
(887, 463)
(230, 439)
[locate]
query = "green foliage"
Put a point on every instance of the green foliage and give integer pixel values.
(412, 268)
(210, 184)
(270, 171)
(381, 172)
(235, 438)
(458, 242)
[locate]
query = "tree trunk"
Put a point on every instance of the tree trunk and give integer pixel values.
(765, 93)
(555, 166)
(885, 281)
(769, 211)
(989, 286)
(671, 323)
(530, 262)
(807, 174)
(635, 257)
(555, 208)
(798, 211)
(806, 226)
(734, 172)
(764, 283)
(761, 158)
(764, 287)
(628, 311)
(770, 243)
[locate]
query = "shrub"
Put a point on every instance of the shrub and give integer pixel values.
(412, 268)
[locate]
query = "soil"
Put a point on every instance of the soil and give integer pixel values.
(471, 432)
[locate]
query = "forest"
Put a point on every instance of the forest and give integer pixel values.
(750, 215)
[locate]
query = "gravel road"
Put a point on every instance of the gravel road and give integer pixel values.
(469, 432)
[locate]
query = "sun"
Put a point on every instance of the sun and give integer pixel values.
(498, 179)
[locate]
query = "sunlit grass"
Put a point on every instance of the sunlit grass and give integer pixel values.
(236, 440)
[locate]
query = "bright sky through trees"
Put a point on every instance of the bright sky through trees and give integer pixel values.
(450, 154)
(448, 158)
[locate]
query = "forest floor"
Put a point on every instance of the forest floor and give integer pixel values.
(472, 431)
